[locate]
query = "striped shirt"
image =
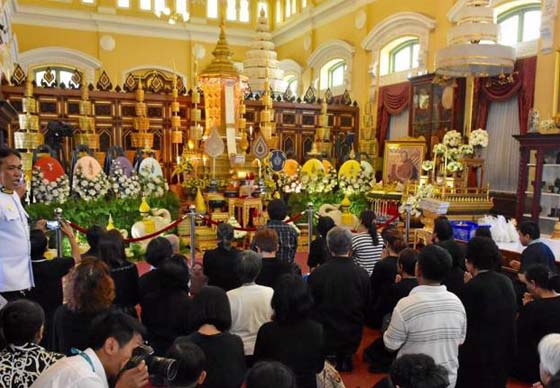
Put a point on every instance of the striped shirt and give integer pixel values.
(431, 320)
(364, 253)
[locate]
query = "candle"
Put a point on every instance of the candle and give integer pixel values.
(204, 158)
(250, 131)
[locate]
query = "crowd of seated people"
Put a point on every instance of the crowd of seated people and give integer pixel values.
(448, 317)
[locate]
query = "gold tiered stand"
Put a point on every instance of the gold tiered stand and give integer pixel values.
(267, 123)
(142, 138)
(28, 137)
(322, 145)
(86, 120)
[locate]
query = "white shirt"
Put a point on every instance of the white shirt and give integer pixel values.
(74, 372)
(432, 321)
(250, 308)
(16, 272)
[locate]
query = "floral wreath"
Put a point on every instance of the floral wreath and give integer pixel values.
(46, 191)
(90, 189)
(152, 185)
(123, 186)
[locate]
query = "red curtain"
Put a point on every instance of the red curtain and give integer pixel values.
(523, 87)
(393, 99)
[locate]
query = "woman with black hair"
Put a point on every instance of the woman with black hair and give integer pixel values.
(165, 312)
(157, 251)
(539, 316)
(270, 375)
(23, 360)
(319, 253)
(383, 277)
(225, 358)
(367, 245)
(292, 337)
(123, 272)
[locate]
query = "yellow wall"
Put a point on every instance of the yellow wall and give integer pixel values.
(132, 51)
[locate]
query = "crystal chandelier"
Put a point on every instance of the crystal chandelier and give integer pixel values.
(473, 48)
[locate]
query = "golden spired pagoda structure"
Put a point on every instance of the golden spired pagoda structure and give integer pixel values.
(28, 137)
(222, 86)
(86, 121)
(142, 138)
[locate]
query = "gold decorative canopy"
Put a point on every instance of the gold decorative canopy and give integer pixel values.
(221, 65)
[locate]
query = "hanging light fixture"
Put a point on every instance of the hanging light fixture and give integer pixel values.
(473, 48)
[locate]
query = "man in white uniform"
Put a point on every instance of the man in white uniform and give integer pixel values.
(16, 274)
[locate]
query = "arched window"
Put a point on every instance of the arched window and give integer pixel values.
(404, 56)
(399, 55)
(146, 5)
(123, 3)
(262, 5)
(333, 74)
(288, 8)
(244, 11)
(520, 24)
(231, 10)
(336, 74)
(292, 83)
(61, 74)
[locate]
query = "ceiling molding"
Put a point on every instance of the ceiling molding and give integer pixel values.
(314, 17)
(127, 25)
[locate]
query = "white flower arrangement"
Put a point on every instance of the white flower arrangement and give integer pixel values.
(90, 189)
(47, 192)
(454, 166)
(123, 186)
(427, 165)
(439, 149)
(453, 154)
(152, 185)
(362, 183)
(466, 149)
(290, 183)
(479, 138)
(319, 183)
(423, 191)
(453, 139)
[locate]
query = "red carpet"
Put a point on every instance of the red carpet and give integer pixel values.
(360, 377)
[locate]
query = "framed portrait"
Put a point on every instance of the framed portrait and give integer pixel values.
(403, 159)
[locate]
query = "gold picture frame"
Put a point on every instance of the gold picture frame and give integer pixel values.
(402, 160)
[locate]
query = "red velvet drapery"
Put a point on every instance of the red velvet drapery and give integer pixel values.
(393, 99)
(523, 87)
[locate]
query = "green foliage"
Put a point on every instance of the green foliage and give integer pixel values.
(298, 201)
(123, 210)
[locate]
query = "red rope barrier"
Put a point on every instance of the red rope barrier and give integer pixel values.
(146, 237)
(208, 219)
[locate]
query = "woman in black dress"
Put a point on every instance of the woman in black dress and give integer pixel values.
(292, 337)
(225, 358)
(123, 272)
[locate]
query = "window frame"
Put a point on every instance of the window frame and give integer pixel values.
(407, 44)
(520, 10)
(208, 2)
(334, 68)
(146, 9)
(56, 69)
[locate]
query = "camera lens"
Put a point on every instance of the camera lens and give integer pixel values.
(164, 367)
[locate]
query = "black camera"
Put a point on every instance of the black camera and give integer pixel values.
(164, 368)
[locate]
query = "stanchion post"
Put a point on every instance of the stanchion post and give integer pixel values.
(408, 209)
(58, 231)
(309, 225)
(192, 213)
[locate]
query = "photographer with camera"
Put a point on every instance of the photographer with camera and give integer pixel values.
(48, 274)
(114, 339)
